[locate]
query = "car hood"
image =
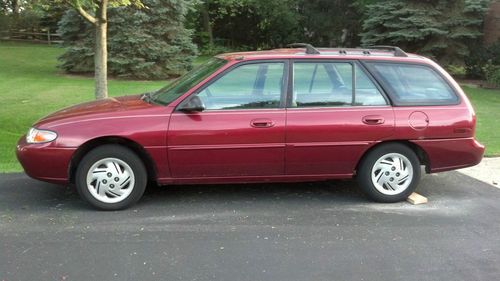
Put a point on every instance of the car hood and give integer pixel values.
(99, 108)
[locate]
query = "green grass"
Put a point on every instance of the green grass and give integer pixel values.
(31, 87)
(487, 105)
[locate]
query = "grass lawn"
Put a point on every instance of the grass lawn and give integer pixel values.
(487, 106)
(31, 86)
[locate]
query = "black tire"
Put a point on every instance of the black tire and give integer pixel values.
(364, 173)
(120, 153)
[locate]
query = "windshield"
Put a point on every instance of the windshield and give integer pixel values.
(174, 90)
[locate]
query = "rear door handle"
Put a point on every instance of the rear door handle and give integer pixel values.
(262, 123)
(373, 120)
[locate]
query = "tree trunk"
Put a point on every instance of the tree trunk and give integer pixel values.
(15, 7)
(206, 24)
(101, 52)
(15, 13)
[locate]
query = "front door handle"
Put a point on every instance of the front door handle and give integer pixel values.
(373, 120)
(262, 123)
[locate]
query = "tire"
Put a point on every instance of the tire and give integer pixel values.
(111, 177)
(389, 173)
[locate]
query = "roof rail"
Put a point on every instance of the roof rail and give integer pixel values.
(310, 50)
(397, 51)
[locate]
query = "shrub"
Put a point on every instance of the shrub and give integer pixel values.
(492, 73)
(215, 49)
(5, 22)
(457, 71)
(481, 56)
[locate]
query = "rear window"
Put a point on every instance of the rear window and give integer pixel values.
(411, 84)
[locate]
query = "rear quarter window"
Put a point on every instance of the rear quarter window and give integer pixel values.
(412, 84)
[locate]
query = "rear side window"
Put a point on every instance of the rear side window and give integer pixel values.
(322, 84)
(366, 92)
(411, 84)
(329, 84)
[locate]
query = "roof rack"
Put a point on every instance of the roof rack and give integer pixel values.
(310, 50)
(397, 51)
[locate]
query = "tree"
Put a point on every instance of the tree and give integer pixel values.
(443, 29)
(254, 24)
(96, 13)
(246, 23)
(330, 23)
(149, 43)
(10, 6)
(29, 15)
(207, 25)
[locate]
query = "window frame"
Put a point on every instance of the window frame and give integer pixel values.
(353, 63)
(368, 64)
(284, 90)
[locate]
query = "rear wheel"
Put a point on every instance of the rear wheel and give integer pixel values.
(389, 173)
(111, 177)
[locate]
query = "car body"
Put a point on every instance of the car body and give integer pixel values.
(289, 128)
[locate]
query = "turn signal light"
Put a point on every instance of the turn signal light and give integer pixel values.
(40, 136)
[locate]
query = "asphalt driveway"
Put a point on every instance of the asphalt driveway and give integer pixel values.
(313, 231)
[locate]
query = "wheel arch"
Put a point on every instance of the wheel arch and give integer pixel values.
(130, 144)
(422, 156)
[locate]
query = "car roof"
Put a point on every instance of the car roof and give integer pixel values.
(324, 53)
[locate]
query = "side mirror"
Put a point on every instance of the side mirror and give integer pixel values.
(192, 104)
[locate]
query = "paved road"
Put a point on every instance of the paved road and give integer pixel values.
(314, 231)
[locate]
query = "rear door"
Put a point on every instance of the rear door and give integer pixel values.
(335, 112)
(241, 132)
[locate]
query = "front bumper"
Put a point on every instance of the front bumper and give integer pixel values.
(45, 161)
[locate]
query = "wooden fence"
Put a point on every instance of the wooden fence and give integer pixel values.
(46, 37)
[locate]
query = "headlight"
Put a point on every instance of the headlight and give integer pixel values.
(40, 136)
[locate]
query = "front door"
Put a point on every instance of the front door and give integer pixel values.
(241, 132)
(336, 111)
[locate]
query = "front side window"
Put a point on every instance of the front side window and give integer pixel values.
(412, 84)
(248, 86)
(327, 84)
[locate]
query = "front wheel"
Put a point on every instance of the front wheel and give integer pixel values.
(389, 173)
(111, 177)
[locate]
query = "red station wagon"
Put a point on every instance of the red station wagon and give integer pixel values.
(285, 115)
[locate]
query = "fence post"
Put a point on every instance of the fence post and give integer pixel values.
(48, 36)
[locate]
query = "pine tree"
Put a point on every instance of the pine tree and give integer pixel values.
(443, 29)
(149, 43)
